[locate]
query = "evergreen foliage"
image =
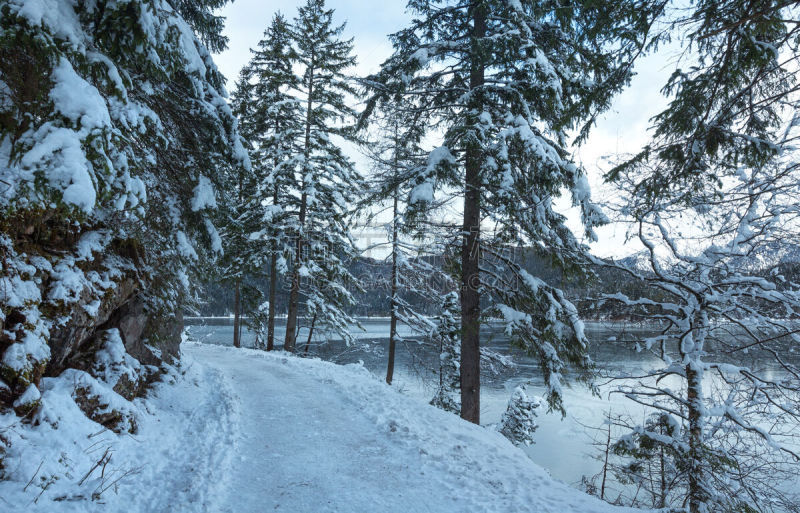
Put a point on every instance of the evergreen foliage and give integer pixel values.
(447, 336)
(505, 82)
(728, 110)
(328, 182)
(518, 422)
(273, 127)
(396, 155)
(115, 141)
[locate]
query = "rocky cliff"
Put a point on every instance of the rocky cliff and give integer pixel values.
(64, 294)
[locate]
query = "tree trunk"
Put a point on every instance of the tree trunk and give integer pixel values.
(294, 294)
(697, 495)
(236, 310)
(393, 320)
(662, 499)
(605, 460)
(273, 282)
(310, 333)
(470, 252)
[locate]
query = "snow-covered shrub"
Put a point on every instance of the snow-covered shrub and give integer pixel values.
(117, 368)
(447, 336)
(518, 423)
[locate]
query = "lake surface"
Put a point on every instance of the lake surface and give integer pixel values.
(563, 445)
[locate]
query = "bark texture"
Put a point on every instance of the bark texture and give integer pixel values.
(470, 252)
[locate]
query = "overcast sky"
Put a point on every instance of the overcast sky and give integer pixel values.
(622, 129)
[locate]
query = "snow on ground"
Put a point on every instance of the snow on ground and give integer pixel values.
(175, 462)
(247, 431)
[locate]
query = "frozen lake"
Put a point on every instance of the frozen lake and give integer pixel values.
(563, 446)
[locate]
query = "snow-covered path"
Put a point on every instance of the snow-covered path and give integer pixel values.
(244, 431)
(305, 447)
(316, 437)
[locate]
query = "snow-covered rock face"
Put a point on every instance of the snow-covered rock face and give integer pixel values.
(114, 136)
(114, 133)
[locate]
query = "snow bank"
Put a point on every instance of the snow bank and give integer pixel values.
(68, 463)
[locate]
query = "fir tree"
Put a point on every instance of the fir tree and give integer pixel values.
(270, 120)
(278, 136)
(328, 180)
(505, 81)
(397, 155)
(242, 213)
(518, 422)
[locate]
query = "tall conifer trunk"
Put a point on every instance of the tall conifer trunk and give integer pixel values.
(393, 320)
(273, 279)
(294, 295)
(395, 285)
(470, 252)
(310, 333)
(237, 307)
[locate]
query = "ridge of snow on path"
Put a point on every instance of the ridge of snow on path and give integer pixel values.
(318, 437)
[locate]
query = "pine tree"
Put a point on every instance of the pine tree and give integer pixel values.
(115, 140)
(269, 119)
(328, 181)
(505, 81)
(397, 155)
(242, 213)
(651, 461)
(278, 136)
(518, 422)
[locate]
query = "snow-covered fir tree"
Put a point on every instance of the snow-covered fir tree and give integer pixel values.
(413, 249)
(505, 82)
(518, 422)
(114, 141)
(260, 216)
(276, 135)
(328, 180)
(238, 214)
(447, 336)
(649, 461)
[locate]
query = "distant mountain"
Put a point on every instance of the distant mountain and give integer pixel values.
(373, 277)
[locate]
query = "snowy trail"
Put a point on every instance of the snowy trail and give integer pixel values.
(185, 471)
(244, 431)
(298, 451)
(316, 437)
